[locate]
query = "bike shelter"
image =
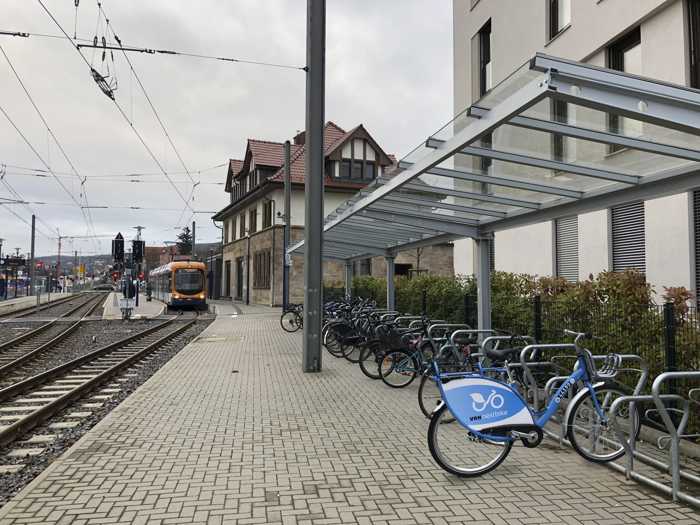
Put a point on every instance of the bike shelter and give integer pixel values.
(511, 159)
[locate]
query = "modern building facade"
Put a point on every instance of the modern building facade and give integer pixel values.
(253, 222)
(653, 38)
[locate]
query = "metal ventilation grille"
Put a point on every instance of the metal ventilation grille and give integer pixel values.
(628, 240)
(566, 239)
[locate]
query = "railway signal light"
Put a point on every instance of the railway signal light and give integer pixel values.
(118, 248)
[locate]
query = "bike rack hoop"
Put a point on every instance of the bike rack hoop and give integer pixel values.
(673, 431)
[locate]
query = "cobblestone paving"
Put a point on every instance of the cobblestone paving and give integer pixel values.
(231, 431)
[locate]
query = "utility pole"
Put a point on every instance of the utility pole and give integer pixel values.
(32, 264)
(313, 226)
(16, 271)
(287, 224)
(137, 256)
(194, 227)
(58, 259)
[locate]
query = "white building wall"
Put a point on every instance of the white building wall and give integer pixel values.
(525, 250)
(519, 30)
(331, 201)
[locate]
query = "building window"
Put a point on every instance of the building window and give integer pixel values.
(261, 269)
(628, 239)
(267, 214)
(625, 55)
(233, 228)
(366, 266)
(226, 223)
(566, 248)
(357, 170)
(253, 220)
(241, 226)
(694, 41)
(559, 114)
(559, 16)
(485, 67)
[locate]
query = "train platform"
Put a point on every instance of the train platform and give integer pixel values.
(231, 431)
(11, 305)
(145, 310)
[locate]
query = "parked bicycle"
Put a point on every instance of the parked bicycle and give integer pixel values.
(292, 318)
(473, 430)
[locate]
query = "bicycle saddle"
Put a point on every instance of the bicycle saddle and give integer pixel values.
(502, 354)
(463, 339)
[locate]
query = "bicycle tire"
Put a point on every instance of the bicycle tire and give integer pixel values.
(583, 409)
(368, 361)
(428, 394)
(289, 321)
(393, 369)
(466, 447)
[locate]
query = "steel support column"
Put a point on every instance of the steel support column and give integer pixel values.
(483, 283)
(313, 226)
(348, 279)
(390, 292)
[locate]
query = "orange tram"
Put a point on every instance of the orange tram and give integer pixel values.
(180, 284)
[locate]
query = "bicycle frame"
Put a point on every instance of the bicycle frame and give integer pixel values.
(516, 400)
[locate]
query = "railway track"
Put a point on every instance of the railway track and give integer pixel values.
(64, 308)
(28, 310)
(19, 350)
(30, 402)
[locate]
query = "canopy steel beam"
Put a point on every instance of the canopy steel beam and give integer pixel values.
(415, 214)
(649, 100)
(423, 203)
(670, 184)
(518, 102)
(439, 226)
(601, 137)
(387, 239)
(536, 162)
(500, 181)
(483, 197)
(343, 243)
(362, 222)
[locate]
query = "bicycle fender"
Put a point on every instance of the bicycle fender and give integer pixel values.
(572, 403)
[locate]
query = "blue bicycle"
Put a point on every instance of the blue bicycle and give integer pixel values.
(495, 415)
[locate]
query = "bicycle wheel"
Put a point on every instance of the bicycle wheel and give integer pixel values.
(369, 360)
(458, 451)
(354, 352)
(332, 343)
(289, 322)
(428, 394)
(593, 438)
(398, 368)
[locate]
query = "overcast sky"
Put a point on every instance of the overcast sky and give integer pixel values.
(389, 66)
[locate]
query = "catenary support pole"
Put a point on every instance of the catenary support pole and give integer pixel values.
(32, 265)
(348, 279)
(390, 291)
(287, 223)
(313, 226)
(483, 283)
(194, 239)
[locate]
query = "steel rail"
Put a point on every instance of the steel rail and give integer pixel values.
(21, 360)
(28, 422)
(37, 331)
(27, 309)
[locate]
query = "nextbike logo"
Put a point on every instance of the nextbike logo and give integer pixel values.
(490, 415)
(564, 390)
(479, 404)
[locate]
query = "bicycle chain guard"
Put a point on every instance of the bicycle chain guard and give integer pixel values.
(480, 403)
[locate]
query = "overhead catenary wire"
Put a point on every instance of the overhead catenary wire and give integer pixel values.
(121, 110)
(110, 28)
(150, 51)
(87, 217)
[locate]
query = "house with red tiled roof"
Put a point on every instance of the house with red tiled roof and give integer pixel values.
(252, 233)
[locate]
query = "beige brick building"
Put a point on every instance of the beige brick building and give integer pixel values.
(253, 231)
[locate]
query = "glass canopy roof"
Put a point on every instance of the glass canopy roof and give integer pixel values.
(554, 139)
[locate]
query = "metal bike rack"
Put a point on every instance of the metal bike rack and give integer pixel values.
(675, 434)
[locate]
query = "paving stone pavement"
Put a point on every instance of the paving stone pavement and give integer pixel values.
(231, 431)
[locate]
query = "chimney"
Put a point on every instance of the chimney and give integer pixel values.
(300, 138)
